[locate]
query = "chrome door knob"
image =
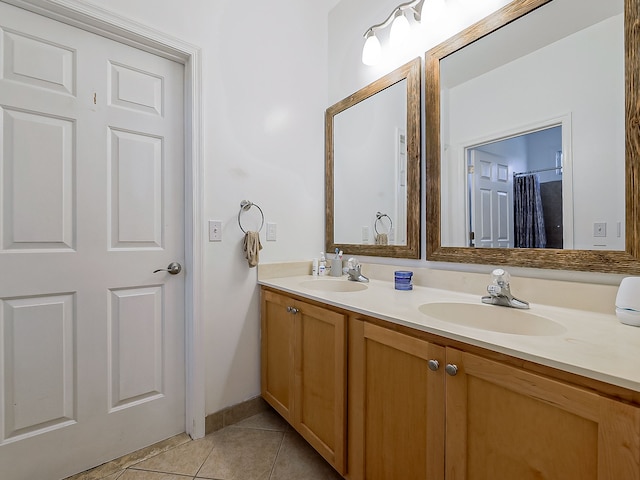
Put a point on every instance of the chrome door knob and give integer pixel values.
(433, 365)
(173, 268)
(451, 369)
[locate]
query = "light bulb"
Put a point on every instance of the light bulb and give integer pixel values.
(372, 51)
(400, 30)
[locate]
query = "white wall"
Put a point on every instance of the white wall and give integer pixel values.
(264, 90)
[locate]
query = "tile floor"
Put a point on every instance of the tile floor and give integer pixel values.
(262, 447)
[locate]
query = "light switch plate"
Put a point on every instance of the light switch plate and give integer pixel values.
(365, 234)
(271, 232)
(215, 231)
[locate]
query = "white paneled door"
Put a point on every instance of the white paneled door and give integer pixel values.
(91, 203)
(491, 200)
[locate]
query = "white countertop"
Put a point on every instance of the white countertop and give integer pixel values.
(594, 345)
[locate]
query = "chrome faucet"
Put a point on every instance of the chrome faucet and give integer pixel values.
(500, 293)
(353, 271)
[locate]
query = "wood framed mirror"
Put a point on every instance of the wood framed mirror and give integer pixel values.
(599, 258)
(372, 168)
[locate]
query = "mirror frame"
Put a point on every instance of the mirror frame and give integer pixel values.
(411, 72)
(605, 261)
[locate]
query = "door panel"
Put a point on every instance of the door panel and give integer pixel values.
(38, 356)
(37, 62)
(135, 89)
(92, 202)
(38, 181)
(136, 190)
(136, 351)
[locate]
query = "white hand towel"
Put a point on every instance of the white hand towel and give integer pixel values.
(252, 246)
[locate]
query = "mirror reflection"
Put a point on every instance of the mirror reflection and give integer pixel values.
(370, 170)
(372, 164)
(523, 209)
(532, 132)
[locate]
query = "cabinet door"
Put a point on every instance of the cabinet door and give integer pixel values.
(277, 339)
(503, 422)
(403, 407)
(320, 380)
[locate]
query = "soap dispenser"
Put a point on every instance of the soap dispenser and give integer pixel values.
(322, 265)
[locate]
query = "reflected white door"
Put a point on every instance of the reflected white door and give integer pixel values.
(491, 200)
(91, 203)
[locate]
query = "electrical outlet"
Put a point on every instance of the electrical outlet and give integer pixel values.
(271, 232)
(215, 231)
(599, 229)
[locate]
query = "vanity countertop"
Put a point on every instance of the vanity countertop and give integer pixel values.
(594, 345)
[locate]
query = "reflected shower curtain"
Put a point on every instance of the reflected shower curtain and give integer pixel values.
(528, 218)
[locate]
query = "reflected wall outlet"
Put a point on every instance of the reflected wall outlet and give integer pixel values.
(599, 229)
(215, 231)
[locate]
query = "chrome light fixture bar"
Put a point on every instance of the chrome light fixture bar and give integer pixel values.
(399, 33)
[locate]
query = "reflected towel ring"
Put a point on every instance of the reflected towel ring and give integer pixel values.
(245, 205)
(379, 217)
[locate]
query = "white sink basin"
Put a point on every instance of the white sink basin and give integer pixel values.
(333, 285)
(493, 318)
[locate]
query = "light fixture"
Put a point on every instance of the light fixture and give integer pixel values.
(372, 51)
(400, 31)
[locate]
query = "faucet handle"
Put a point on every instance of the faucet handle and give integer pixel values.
(500, 277)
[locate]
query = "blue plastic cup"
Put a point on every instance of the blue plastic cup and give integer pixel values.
(403, 280)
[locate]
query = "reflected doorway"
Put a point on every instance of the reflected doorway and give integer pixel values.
(515, 191)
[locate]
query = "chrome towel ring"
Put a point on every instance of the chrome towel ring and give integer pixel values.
(379, 217)
(246, 205)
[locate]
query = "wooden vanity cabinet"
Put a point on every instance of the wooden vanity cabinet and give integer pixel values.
(504, 422)
(303, 371)
(427, 411)
(396, 406)
(423, 407)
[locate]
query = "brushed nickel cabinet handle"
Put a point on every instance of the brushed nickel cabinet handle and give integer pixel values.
(451, 369)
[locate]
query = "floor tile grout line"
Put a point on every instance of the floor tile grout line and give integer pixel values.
(275, 458)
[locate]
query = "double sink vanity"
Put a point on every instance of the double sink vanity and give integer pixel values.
(432, 383)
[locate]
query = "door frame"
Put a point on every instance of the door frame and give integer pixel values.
(105, 23)
(562, 120)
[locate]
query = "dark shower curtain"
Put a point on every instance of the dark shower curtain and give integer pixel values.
(528, 217)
